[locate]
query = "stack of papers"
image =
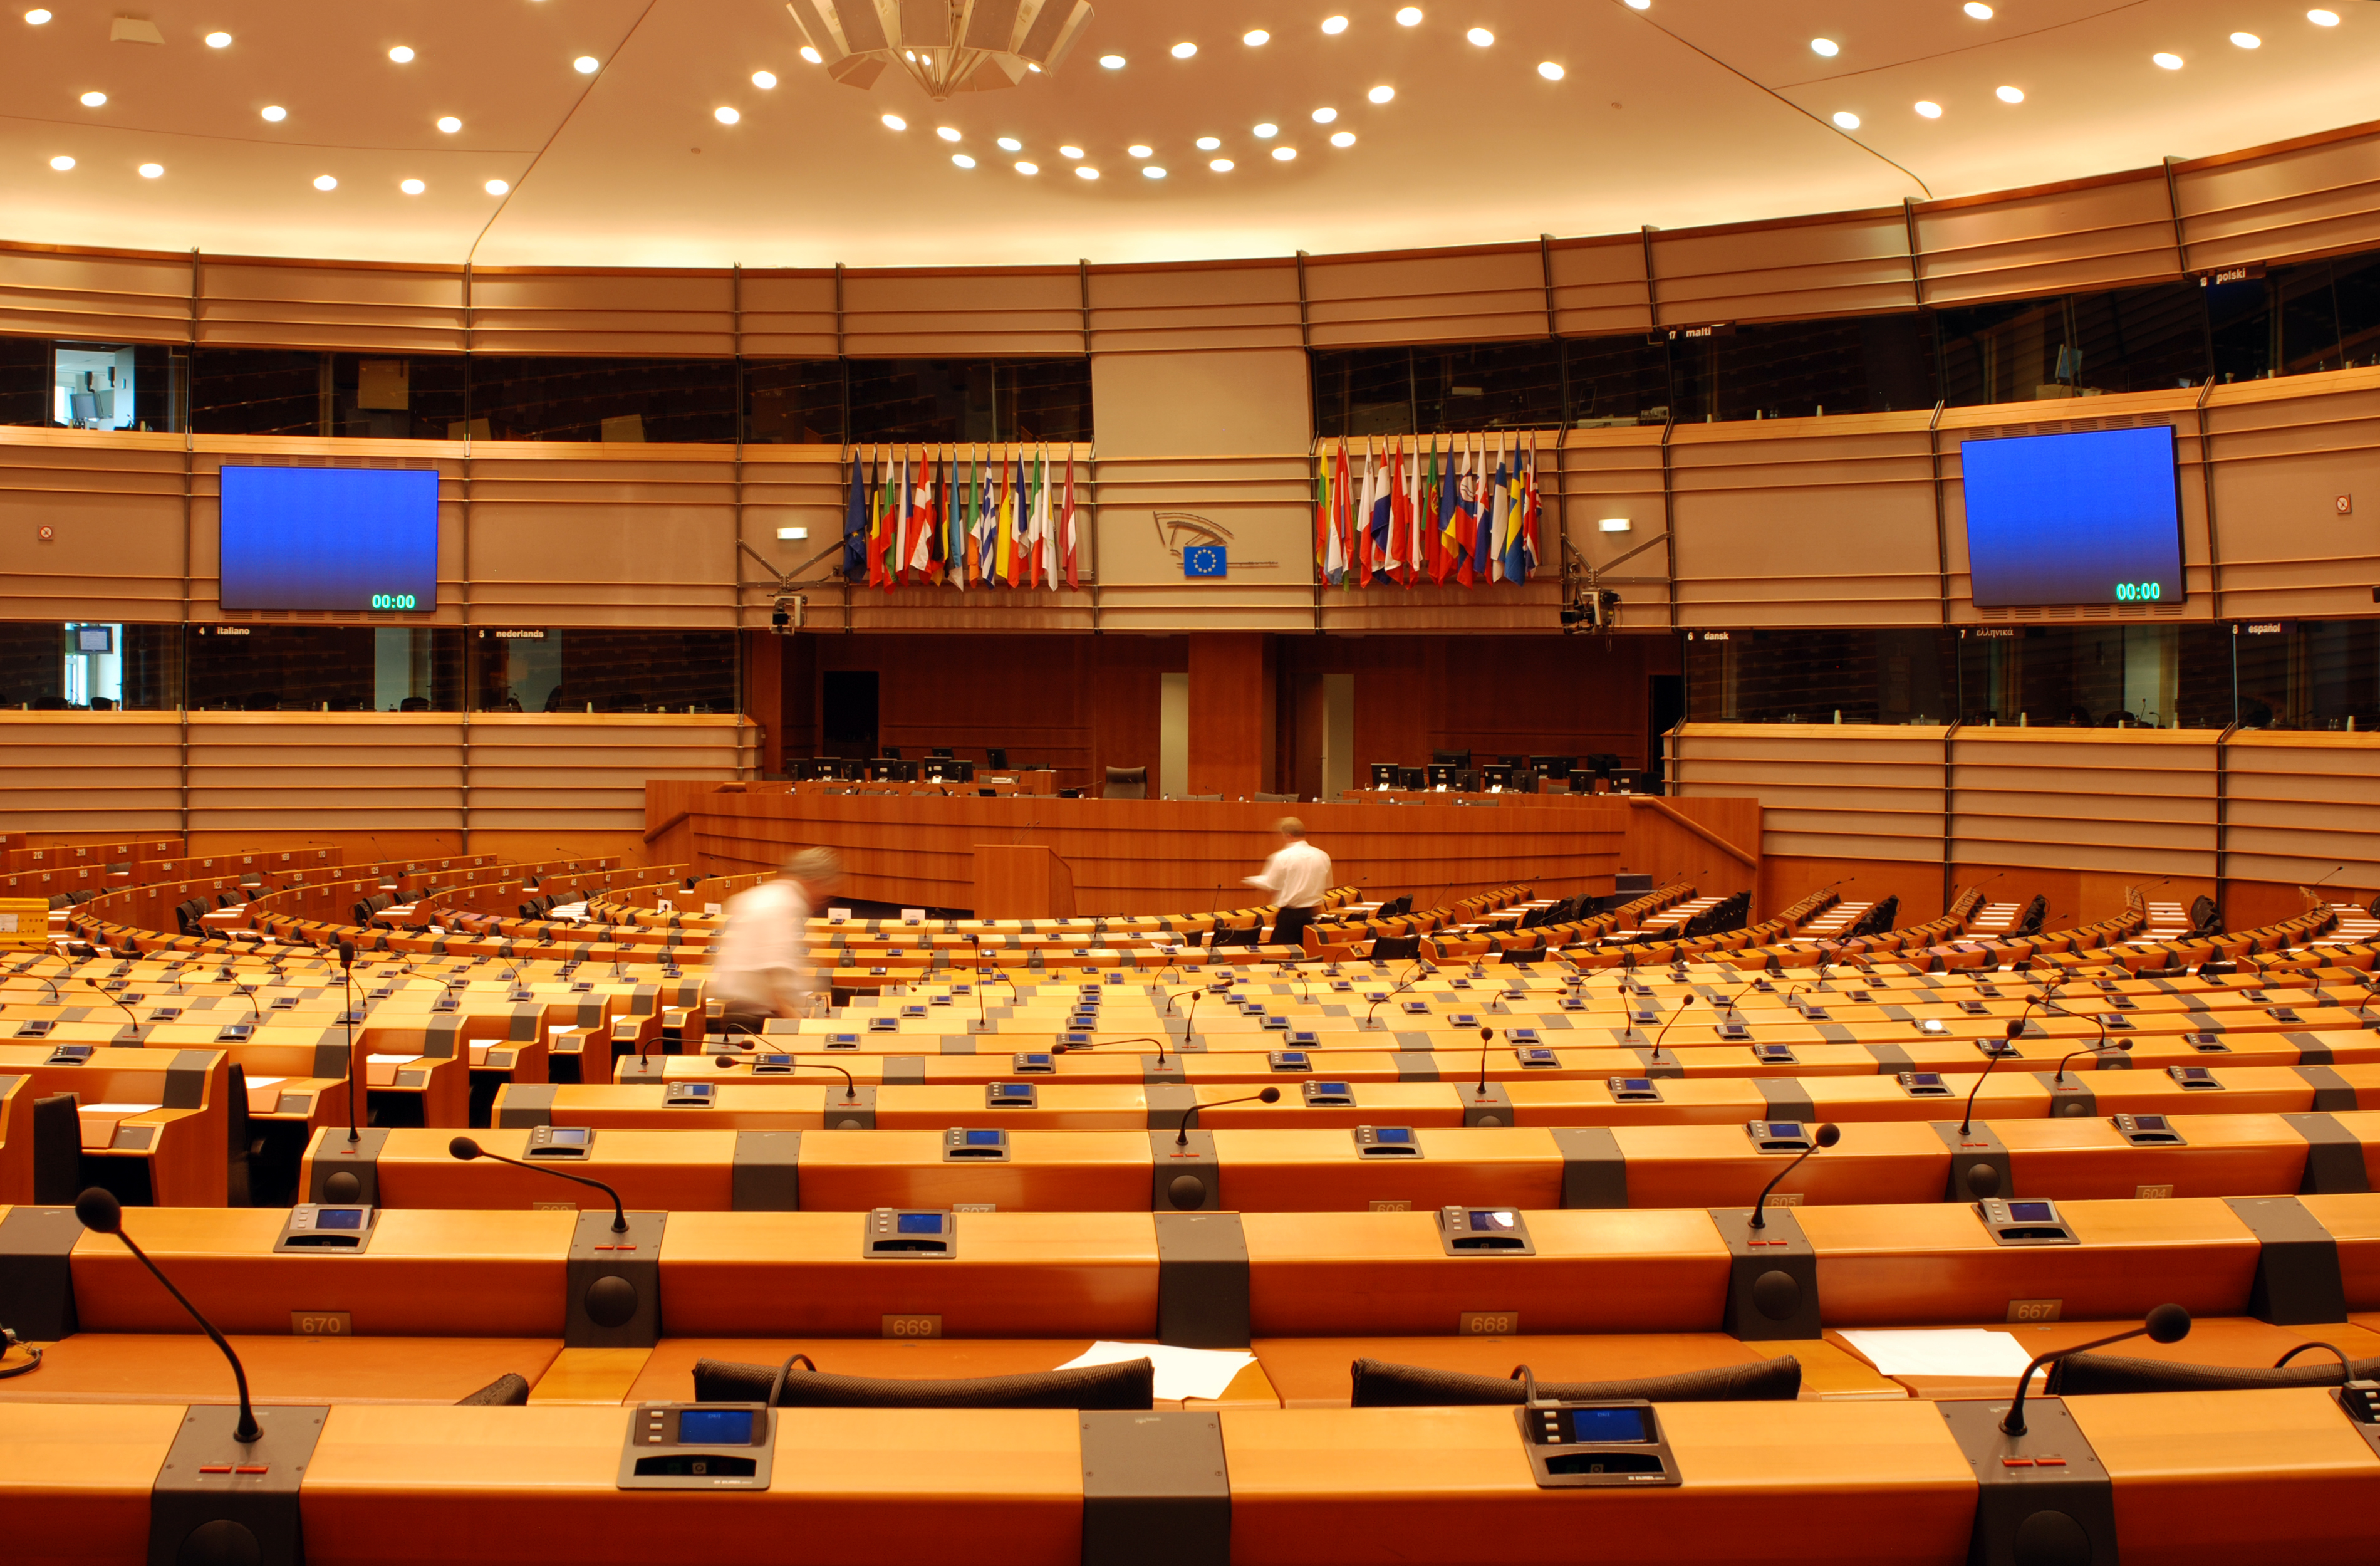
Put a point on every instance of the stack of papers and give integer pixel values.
(1181, 1373)
(1972, 1352)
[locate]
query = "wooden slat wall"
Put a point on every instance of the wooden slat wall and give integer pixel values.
(2105, 233)
(2281, 462)
(2299, 806)
(1598, 286)
(788, 314)
(672, 314)
(1202, 309)
(1854, 791)
(253, 772)
(2300, 200)
(1851, 263)
(2140, 804)
(898, 314)
(1440, 296)
(321, 305)
(50, 293)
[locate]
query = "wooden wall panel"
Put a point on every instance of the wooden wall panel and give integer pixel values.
(2142, 805)
(1244, 403)
(592, 534)
(113, 502)
(666, 314)
(532, 772)
(1849, 263)
(116, 772)
(334, 772)
(2274, 204)
(1852, 792)
(104, 298)
(1170, 309)
(322, 305)
(898, 314)
(2280, 463)
(2299, 808)
(1618, 474)
(2097, 233)
(1598, 286)
(1438, 296)
(786, 314)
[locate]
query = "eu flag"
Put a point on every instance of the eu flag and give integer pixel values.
(1203, 560)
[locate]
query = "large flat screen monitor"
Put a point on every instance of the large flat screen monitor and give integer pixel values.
(348, 539)
(2092, 517)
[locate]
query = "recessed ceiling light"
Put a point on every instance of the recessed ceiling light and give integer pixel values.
(2008, 95)
(1221, 165)
(1151, 171)
(219, 40)
(1324, 116)
(947, 132)
(2322, 18)
(1184, 51)
(1480, 36)
(1284, 154)
(449, 124)
(1334, 25)
(326, 182)
(587, 64)
(1267, 131)
(1112, 62)
(1846, 119)
(764, 79)
(1550, 70)
(1011, 144)
(411, 187)
(1256, 38)
(1929, 109)
(36, 18)
(2170, 62)
(1140, 152)
(93, 100)
(1977, 9)
(1086, 172)
(894, 122)
(961, 160)
(1070, 152)
(61, 163)
(275, 112)
(812, 56)
(1382, 94)
(1209, 143)
(400, 54)
(495, 186)
(1409, 17)
(1826, 47)
(725, 114)
(1640, 5)
(1028, 168)
(2247, 41)
(1343, 139)
(152, 171)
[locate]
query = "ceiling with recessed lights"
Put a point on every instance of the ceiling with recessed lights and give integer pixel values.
(697, 132)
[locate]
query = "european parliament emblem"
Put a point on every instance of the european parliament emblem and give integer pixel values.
(1203, 560)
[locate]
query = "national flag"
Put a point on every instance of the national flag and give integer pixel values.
(1334, 558)
(855, 523)
(1044, 528)
(1380, 547)
(1368, 499)
(1321, 512)
(1014, 509)
(1392, 556)
(1484, 558)
(1467, 516)
(1449, 504)
(879, 501)
(1521, 546)
(924, 525)
(984, 550)
(1066, 521)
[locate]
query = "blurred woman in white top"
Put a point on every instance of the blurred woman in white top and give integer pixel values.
(761, 969)
(1297, 876)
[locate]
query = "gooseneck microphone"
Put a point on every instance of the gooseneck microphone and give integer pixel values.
(1967, 1121)
(850, 1087)
(1684, 1002)
(2104, 1045)
(2166, 1324)
(464, 1149)
(348, 966)
(100, 1211)
(2346, 1365)
(117, 1002)
(1395, 989)
(1181, 1132)
(974, 942)
(1086, 1048)
(1827, 1136)
(1486, 1037)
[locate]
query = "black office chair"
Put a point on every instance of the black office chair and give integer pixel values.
(889, 752)
(1396, 947)
(1264, 798)
(1126, 782)
(941, 752)
(996, 757)
(1378, 1384)
(1130, 1385)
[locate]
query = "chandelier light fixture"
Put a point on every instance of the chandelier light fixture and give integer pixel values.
(946, 46)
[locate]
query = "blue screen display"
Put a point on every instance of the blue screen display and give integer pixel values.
(918, 1224)
(2093, 517)
(984, 1139)
(715, 1427)
(342, 539)
(1606, 1424)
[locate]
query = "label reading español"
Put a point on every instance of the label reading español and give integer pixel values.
(320, 1324)
(2036, 1310)
(912, 1326)
(1488, 1323)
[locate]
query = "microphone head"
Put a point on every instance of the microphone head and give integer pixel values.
(1487, 1035)
(2123, 1044)
(464, 1147)
(1272, 1096)
(2169, 1324)
(99, 1210)
(1828, 1134)
(2016, 1028)
(347, 953)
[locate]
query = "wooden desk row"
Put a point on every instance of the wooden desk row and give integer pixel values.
(682, 1169)
(154, 1125)
(2224, 1476)
(1199, 1279)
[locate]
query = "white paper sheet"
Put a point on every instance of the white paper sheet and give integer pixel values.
(120, 1108)
(256, 1081)
(392, 1060)
(1181, 1373)
(1963, 1351)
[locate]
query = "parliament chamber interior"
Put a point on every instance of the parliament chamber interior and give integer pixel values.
(1212, 786)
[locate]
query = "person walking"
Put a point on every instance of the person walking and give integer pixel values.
(1297, 875)
(761, 969)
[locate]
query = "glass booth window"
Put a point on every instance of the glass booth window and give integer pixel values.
(2096, 677)
(325, 669)
(89, 666)
(1866, 676)
(604, 670)
(2309, 674)
(524, 398)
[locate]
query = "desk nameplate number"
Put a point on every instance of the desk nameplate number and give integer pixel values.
(320, 1324)
(912, 1326)
(1488, 1323)
(2036, 1310)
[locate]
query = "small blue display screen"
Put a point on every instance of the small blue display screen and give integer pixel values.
(983, 1138)
(339, 1218)
(918, 1224)
(715, 1427)
(1607, 1425)
(1491, 1219)
(1401, 1134)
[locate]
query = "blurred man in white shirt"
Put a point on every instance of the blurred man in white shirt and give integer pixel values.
(761, 969)
(1297, 876)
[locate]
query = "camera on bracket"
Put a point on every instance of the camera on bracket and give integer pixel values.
(787, 612)
(1596, 609)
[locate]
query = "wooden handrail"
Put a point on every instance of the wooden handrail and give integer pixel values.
(1647, 802)
(665, 826)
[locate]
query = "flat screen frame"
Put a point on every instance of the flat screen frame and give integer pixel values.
(1993, 587)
